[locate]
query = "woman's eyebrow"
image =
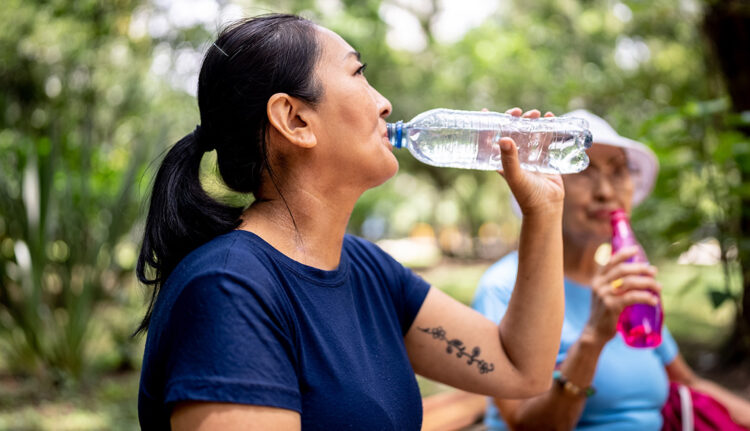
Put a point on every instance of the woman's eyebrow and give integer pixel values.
(618, 158)
(354, 53)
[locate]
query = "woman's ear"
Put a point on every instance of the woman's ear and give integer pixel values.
(289, 116)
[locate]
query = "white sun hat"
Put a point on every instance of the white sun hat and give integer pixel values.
(642, 162)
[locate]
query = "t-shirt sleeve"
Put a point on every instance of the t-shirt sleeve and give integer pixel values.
(415, 290)
(667, 350)
(406, 288)
(228, 342)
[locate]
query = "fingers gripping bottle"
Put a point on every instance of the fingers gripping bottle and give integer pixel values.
(470, 140)
(639, 324)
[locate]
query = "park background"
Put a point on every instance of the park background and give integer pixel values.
(92, 92)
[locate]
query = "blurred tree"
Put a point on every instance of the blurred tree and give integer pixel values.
(79, 117)
(92, 91)
(624, 60)
(641, 65)
(727, 26)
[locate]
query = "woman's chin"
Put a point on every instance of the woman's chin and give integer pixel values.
(391, 169)
(395, 166)
(601, 234)
(388, 170)
(591, 233)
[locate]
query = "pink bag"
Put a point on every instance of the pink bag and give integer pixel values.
(689, 410)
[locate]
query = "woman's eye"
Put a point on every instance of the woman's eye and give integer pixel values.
(361, 69)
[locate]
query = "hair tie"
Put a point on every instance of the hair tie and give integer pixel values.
(204, 144)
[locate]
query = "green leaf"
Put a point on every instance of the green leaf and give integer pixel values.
(689, 285)
(718, 297)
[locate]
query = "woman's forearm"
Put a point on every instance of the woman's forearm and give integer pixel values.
(558, 408)
(530, 331)
(739, 408)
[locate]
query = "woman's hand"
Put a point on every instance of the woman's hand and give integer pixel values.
(617, 285)
(536, 193)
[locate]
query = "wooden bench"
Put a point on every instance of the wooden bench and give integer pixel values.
(453, 410)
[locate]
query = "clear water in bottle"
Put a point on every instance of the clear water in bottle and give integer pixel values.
(470, 140)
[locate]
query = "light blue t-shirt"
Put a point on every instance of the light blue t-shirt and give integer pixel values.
(631, 384)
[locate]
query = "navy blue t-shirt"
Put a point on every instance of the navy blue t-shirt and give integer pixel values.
(240, 322)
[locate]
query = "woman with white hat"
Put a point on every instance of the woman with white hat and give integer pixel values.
(601, 383)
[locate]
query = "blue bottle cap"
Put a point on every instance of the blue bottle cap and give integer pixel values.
(395, 133)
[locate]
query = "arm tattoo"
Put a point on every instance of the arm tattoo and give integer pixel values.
(439, 334)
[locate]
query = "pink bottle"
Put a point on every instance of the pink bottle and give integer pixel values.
(639, 324)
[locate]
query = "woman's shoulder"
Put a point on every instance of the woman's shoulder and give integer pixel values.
(367, 257)
(231, 263)
(355, 241)
(357, 246)
(231, 254)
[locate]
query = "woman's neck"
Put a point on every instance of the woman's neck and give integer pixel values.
(303, 225)
(578, 260)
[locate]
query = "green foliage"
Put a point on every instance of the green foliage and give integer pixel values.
(78, 110)
(641, 65)
(84, 109)
(718, 297)
(558, 56)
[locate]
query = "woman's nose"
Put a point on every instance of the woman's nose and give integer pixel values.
(603, 188)
(384, 105)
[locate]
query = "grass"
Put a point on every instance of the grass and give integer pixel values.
(109, 402)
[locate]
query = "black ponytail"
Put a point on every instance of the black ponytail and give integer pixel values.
(181, 216)
(249, 62)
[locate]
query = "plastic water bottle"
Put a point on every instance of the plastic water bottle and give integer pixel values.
(471, 140)
(639, 324)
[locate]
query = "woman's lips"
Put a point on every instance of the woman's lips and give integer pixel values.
(600, 214)
(386, 141)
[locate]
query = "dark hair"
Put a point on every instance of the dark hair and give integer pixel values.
(250, 61)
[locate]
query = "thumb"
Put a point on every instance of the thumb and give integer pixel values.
(509, 159)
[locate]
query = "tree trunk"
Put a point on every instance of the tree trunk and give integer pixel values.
(727, 27)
